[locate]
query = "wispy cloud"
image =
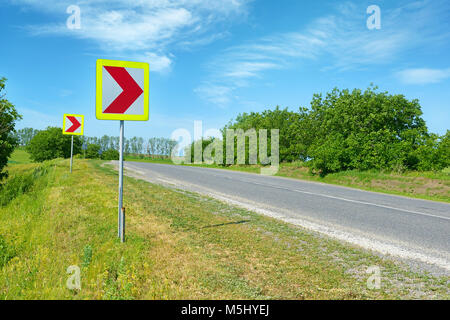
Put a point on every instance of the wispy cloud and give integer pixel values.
(158, 62)
(423, 75)
(336, 42)
(218, 95)
(144, 28)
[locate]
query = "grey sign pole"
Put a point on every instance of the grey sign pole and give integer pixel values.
(122, 224)
(71, 155)
(120, 229)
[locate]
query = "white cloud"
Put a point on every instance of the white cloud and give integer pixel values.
(339, 42)
(423, 75)
(218, 95)
(158, 63)
(246, 69)
(150, 28)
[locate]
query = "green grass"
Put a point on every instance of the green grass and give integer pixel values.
(423, 185)
(179, 246)
(19, 156)
(153, 160)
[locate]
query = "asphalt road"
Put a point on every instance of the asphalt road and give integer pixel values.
(414, 230)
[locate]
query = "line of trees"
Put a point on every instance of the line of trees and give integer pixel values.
(49, 143)
(136, 145)
(346, 130)
(24, 136)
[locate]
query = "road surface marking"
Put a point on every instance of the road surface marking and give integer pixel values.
(344, 199)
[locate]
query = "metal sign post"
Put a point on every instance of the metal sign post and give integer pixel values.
(71, 155)
(120, 231)
(122, 224)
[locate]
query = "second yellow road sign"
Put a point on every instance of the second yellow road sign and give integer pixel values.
(73, 124)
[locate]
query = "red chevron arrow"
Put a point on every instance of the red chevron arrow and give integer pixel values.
(131, 90)
(75, 124)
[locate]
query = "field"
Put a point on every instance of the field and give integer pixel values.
(179, 246)
(423, 185)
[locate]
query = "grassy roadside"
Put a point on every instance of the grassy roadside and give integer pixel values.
(180, 246)
(423, 185)
(19, 156)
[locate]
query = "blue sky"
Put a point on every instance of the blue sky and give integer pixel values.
(213, 59)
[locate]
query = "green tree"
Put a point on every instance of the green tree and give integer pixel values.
(25, 135)
(444, 150)
(52, 143)
(348, 130)
(140, 145)
(104, 142)
(110, 154)
(151, 146)
(364, 130)
(8, 118)
(133, 145)
(93, 151)
(291, 125)
(126, 146)
(434, 152)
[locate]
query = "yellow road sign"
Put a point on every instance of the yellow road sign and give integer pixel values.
(122, 90)
(73, 124)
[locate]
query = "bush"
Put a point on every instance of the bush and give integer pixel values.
(110, 154)
(52, 143)
(364, 130)
(93, 151)
(434, 153)
(8, 118)
(444, 150)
